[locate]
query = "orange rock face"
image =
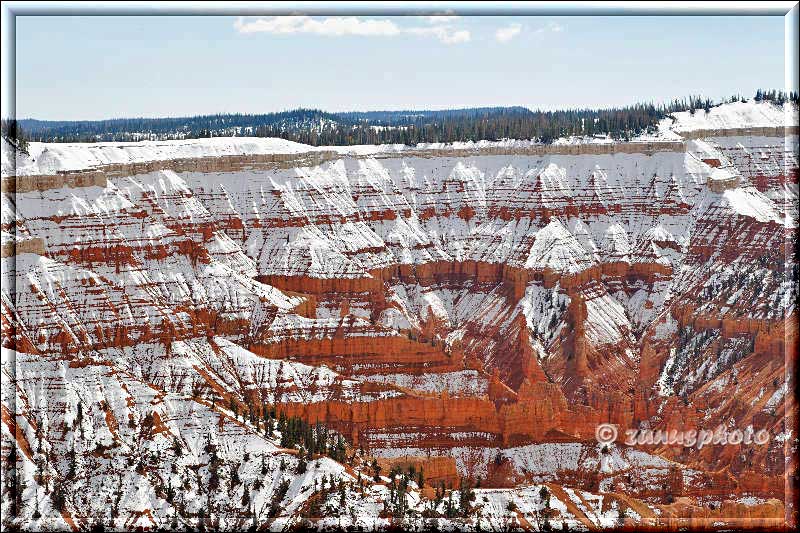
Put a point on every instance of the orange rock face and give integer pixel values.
(473, 320)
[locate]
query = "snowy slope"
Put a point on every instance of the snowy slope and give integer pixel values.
(49, 158)
(749, 114)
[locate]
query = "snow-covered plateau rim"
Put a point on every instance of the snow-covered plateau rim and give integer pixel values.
(45, 159)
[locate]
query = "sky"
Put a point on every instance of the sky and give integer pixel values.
(76, 68)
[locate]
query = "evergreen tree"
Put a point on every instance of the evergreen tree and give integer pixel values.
(177, 447)
(235, 475)
(318, 128)
(58, 497)
(71, 460)
(13, 132)
(301, 465)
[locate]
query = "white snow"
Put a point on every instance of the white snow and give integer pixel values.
(49, 158)
(749, 114)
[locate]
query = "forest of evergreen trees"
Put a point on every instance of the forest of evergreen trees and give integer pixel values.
(319, 128)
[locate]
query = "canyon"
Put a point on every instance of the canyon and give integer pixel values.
(472, 311)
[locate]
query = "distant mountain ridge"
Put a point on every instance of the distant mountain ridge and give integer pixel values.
(293, 124)
(321, 128)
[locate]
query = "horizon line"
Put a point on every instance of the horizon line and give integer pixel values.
(715, 101)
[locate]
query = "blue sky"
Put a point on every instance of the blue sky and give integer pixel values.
(103, 67)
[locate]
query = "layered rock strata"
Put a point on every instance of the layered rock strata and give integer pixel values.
(467, 311)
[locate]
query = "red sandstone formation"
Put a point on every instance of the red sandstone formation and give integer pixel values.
(447, 313)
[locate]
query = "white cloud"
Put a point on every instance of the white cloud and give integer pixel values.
(334, 26)
(440, 19)
(445, 34)
(339, 26)
(552, 27)
(503, 35)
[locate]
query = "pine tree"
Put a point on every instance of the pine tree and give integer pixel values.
(301, 465)
(13, 132)
(177, 447)
(544, 496)
(58, 497)
(254, 523)
(16, 484)
(36, 514)
(71, 459)
(235, 475)
(376, 470)
(621, 515)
